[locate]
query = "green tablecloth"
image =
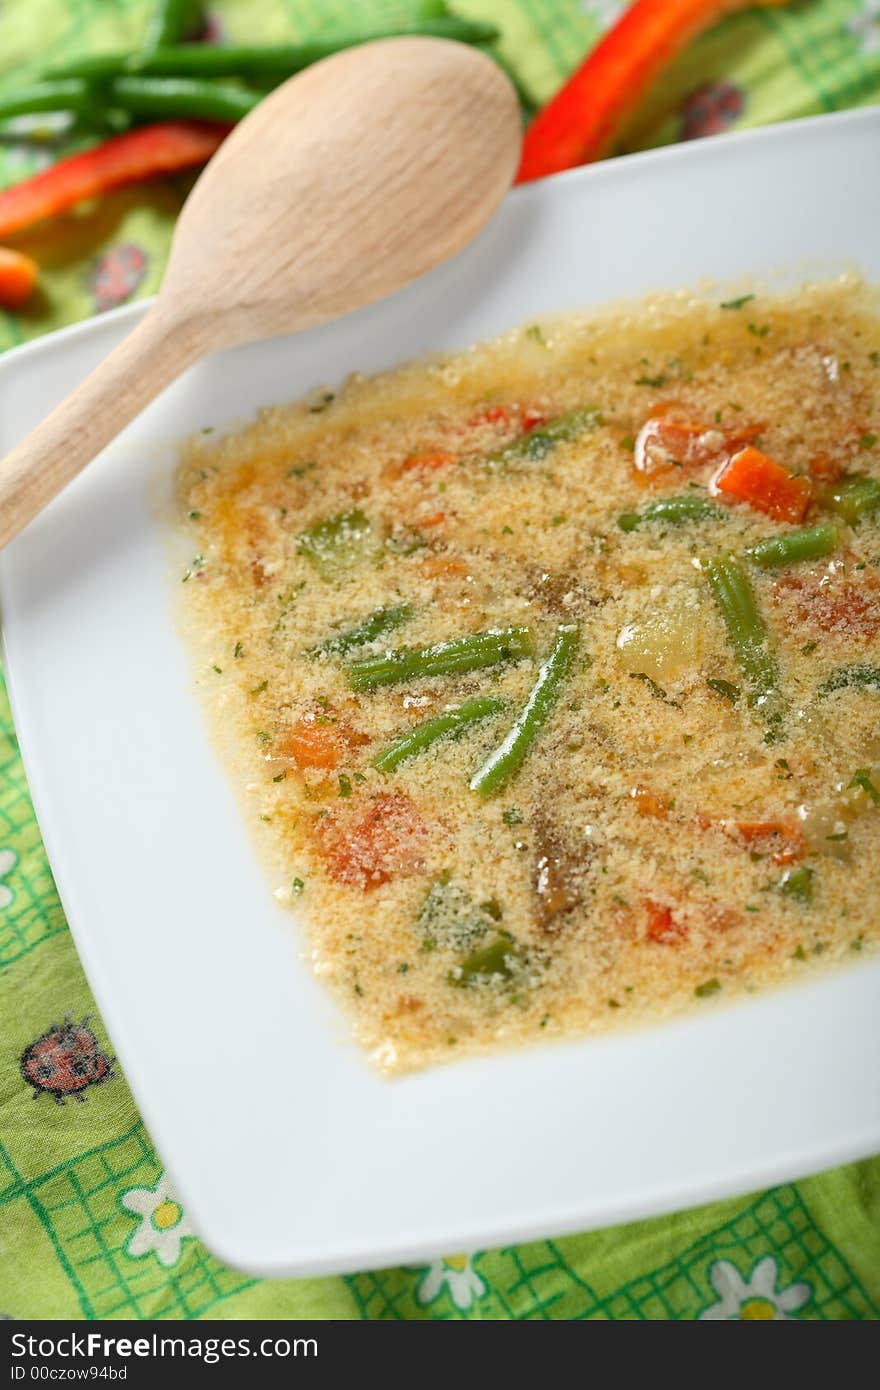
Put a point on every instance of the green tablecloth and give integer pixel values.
(89, 1227)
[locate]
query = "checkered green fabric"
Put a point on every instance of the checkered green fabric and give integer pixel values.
(89, 1227)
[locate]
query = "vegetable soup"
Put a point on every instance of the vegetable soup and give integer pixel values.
(550, 670)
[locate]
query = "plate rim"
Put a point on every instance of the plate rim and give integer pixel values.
(627, 1207)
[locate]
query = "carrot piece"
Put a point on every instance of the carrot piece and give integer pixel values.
(441, 567)
(648, 803)
(140, 154)
(313, 745)
(824, 468)
(787, 839)
(764, 484)
(578, 125)
(389, 840)
(661, 925)
(18, 276)
(436, 519)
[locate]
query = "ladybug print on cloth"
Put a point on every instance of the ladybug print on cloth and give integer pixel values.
(116, 276)
(65, 1060)
(711, 109)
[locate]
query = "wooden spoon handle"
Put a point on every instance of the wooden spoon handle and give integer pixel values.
(116, 391)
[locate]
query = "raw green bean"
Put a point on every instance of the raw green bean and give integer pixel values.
(866, 676)
(181, 96)
(538, 443)
(450, 724)
(337, 542)
(810, 544)
(863, 779)
(90, 66)
(67, 95)
(510, 754)
(748, 637)
(672, 510)
(245, 60)
(451, 658)
(255, 60)
(170, 21)
(382, 621)
(854, 498)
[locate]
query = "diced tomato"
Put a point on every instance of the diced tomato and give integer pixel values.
(662, 927)
(391, 839)
(669, 440)
(492, 415)
(416, 465)
(523, 418)
(752, 477)
(531, 419)
(427, 463)
(833, 603)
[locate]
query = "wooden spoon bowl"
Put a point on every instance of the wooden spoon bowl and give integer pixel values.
(347, 182)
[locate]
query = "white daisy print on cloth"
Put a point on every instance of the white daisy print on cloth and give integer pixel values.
(754, 1299)
(8, 861)
(605, 12)
(455, 1273)
(865, 27)
(162, 1226)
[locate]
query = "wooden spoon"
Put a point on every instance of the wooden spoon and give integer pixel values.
(348, 181)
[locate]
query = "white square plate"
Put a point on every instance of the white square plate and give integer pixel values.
(289, 1155)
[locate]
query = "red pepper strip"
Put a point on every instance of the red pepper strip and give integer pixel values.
(580, 122)
(18, 276)
(140, 154)
(753, 477)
